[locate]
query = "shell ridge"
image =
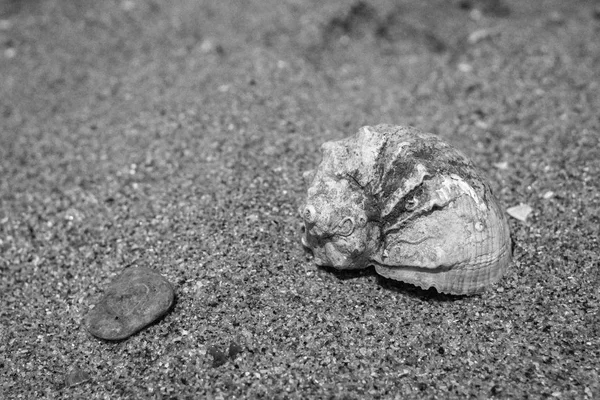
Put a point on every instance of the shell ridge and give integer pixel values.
(434, 203)
(414, 180)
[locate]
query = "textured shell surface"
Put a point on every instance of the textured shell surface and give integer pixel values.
(408, 204)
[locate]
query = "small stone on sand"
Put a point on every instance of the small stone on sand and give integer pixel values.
(133, 300)
(234, 350)
(76, 376)
(520, 212)
(501, 165)
(218, 355)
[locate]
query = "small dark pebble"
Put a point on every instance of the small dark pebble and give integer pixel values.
(218, 355)
(135, 299)
(234, 350)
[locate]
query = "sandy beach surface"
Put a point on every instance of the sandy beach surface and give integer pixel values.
(173, 136)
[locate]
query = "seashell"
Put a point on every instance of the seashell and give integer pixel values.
(408, 204)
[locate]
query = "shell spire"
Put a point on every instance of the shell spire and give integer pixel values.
(408, 204)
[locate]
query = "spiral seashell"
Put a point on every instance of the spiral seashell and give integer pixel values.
(408, 204)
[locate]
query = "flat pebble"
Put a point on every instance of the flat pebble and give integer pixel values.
(133, 300)
(76, 376)
(520, 212)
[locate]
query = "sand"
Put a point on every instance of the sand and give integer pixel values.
(174, 137)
